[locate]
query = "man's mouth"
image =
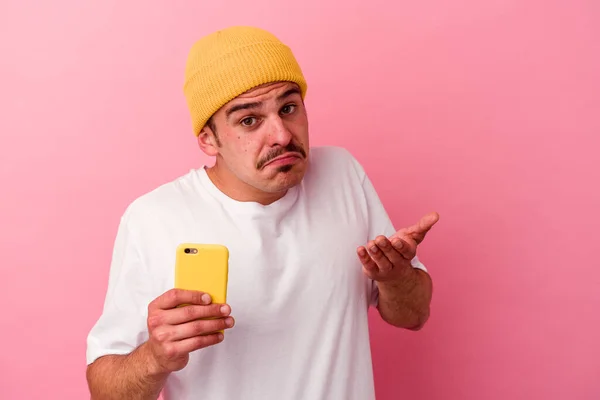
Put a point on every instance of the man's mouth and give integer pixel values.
(285, 159)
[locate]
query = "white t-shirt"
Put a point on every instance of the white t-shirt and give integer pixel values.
(296, 286)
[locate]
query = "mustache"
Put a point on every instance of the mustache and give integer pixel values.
(290, 148)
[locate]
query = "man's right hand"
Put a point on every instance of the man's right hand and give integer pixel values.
(174, 331)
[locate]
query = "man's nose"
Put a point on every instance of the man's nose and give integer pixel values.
(279, 134)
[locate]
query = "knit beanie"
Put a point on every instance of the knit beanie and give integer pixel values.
(229, 62)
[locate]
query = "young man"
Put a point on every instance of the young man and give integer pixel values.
(311, 248)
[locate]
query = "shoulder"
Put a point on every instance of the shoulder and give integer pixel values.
(162, 202)
(338, 161)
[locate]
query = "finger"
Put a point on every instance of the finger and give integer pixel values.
(177, 297)
(420, 229)
(366, 259)
(406, 246)
(389, 251)
(382, 262)
(202, 327)
(181, 315)
(186, 346)
(190, 329)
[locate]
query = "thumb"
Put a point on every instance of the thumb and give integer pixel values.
(420, 229)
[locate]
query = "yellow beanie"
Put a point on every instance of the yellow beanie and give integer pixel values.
(229, 62)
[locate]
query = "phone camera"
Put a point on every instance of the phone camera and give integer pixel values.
(187, 251)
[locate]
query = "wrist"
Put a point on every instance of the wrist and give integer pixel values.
(407, 280)
(155, 371)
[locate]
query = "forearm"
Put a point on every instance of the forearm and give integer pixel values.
(406, 303)
(130, 376)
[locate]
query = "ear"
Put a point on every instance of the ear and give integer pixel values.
(208, 142)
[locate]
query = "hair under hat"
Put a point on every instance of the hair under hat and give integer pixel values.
(228, 63)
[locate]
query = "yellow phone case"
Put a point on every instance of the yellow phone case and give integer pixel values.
(203, 267)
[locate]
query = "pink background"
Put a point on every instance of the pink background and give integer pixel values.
(486, 111)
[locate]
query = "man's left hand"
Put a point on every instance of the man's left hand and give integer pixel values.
(388, 259)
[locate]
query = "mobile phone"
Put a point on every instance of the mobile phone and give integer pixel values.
(204, 268)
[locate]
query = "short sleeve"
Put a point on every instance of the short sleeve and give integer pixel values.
(379, 223)
(121, 326)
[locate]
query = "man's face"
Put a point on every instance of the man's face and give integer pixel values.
(261, 138)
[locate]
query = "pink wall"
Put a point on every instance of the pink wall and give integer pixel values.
(486, 111)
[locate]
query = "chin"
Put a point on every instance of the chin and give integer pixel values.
(285, 169)
(286, 177)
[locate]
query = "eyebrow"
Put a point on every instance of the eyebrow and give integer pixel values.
(288, 93)
(257, 104)
(244, 106)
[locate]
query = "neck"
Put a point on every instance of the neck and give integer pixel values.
(238, 190)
